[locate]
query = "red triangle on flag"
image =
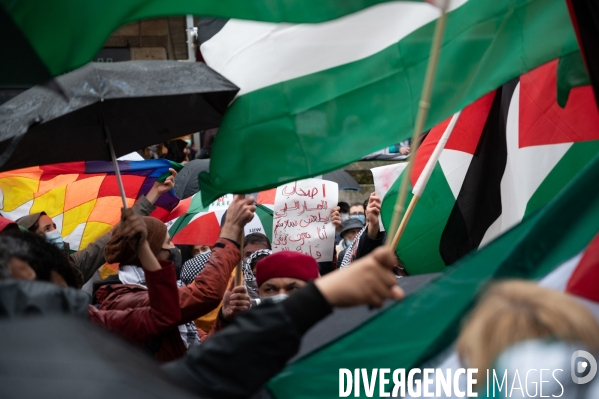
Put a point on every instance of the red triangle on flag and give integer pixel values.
(542, 121)
(465, 135)
(201, 231)
(584, 281)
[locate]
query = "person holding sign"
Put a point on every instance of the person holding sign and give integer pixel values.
(305, 217)
(369, 238)
(302, 218)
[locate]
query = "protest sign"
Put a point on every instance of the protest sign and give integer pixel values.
(384, 177)
(302, 218)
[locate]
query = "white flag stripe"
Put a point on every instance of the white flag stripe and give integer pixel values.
(254, 55)
(455, 165)
(558, 278)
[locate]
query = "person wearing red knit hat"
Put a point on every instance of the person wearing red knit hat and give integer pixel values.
(7, 226)
(280, 274)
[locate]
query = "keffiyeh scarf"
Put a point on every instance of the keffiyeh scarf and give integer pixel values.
(249, 278)
(350, 253)
(193, 267)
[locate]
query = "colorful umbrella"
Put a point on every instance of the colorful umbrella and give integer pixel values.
(190, 223)
(82, 198)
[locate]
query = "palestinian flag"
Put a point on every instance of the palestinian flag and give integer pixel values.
(192, 223)
(83, 198)
(35, 49)
(319, 96)
(585, 18)
(411, 332)
(509, 154)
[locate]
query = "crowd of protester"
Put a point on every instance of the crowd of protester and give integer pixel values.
(155, 299)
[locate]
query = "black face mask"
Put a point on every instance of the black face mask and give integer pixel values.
(175, 257)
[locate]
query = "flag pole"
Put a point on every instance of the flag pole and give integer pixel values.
(424, 178)
(115, 164)
(423, 108)
(238, 268)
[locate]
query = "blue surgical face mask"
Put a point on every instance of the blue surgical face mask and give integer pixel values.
(55, 238)
(347, 243)
(275, 298)
(344, 217)
(361, 218)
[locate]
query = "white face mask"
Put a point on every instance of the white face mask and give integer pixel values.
(55, 238)
(275, 298)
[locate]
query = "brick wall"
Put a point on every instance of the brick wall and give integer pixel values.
(153, 39)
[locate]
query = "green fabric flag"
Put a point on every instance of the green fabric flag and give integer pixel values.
(426, 322)
(316, 97)
(481, 188)
(46, 38)
(571, 73)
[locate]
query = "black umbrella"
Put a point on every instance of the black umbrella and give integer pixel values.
(104, 110)
(186, 182)
(343, 179)
(65, 357)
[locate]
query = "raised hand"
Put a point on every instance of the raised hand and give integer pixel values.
(133, 226)
(160, 188)
(240, 212)
(336, 217)
(235, 301)
(369, 280)
(373, 210)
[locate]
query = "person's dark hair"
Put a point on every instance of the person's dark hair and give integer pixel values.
(45, 257)
(343, 207)
(254, 261)
(256, 238)
(186, 254)
(12, 247)
(364, 204)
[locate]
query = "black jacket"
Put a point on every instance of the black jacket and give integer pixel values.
(237, 361)
(58, 356)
